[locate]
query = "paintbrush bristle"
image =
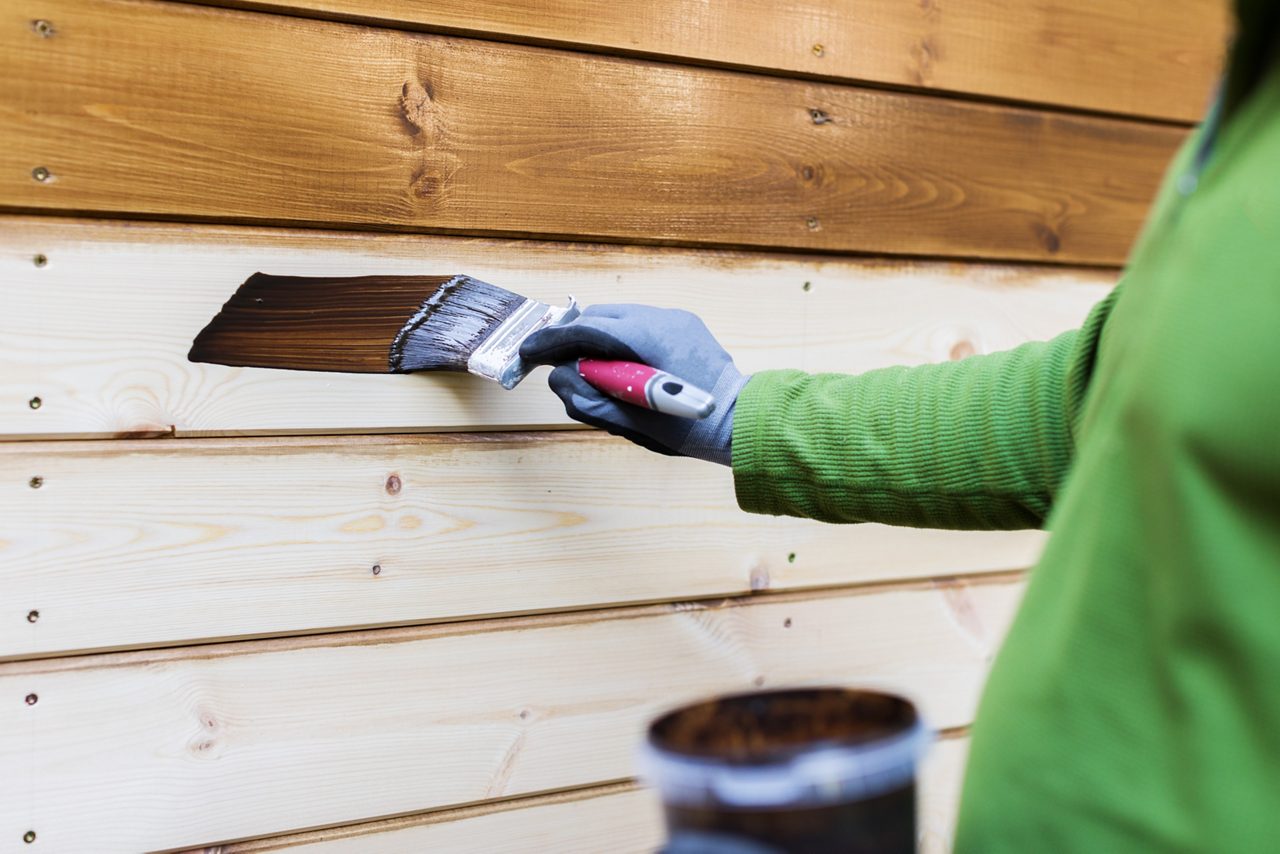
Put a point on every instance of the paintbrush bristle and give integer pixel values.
(365, 324)
(451, 324)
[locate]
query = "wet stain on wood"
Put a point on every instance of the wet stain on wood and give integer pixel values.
(306, 323)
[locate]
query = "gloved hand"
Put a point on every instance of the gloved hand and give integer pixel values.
(667, 339)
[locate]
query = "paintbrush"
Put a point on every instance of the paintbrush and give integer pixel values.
(400, 324)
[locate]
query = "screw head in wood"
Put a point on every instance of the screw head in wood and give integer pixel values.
(33, 615)
(819, 50)
(32, 699)
(44, 29)
(377, 569)
(786, 624)
(40, 259)
(36, 482)
(35, 403)
(806, 287)
(791, 558)
(812, 223)
(41, 174)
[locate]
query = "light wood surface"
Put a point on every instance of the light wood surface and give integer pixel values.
(219, 743)
(1151, 57)
(100, 333)
(618, 818)
(154, 543)
(941, 783)
(182, 111)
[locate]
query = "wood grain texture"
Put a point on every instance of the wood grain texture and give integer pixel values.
(148, 544)
(618, 818)
(1150, 58)
(100, 333)
(320, 323)
(285, 120)
(215, 744)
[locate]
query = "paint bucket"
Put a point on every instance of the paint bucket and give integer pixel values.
(808, 770)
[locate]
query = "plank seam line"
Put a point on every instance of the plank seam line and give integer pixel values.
(445, 815)
(559, 237)
(422, 818)
(588, 49)
(77, 661)
(303, 442)
(49, 218)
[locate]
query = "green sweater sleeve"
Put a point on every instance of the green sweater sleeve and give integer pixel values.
(982, 443)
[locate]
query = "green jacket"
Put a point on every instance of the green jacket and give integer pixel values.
(1135, 705)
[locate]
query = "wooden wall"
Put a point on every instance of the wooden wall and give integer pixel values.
(250, 610)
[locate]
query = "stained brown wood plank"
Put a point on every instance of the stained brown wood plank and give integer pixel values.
(128, 544)
(272, 119)
(618, 818)
(99, 333)
(1150, 58)
(214, 744)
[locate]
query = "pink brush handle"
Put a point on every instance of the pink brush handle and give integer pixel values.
(650, 388)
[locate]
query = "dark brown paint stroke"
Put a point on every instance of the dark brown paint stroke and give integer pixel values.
(305, 323)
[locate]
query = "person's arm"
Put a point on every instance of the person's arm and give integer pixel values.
(979, 443)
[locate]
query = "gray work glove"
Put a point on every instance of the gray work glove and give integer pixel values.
(667, 339)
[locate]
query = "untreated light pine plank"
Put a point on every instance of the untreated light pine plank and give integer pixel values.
(1149, 58)
(214, 744)
(172, 110)
(128, 544)
(99, 317)
(618, 818)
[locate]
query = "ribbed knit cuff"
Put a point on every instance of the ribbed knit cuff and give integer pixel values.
(758, 403)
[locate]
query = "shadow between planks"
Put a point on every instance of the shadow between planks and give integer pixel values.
(618, 817)
(98, 330)
(320, 123)
(1091, 55)
(213, 744)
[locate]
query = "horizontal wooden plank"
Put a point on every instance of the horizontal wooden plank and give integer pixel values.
(941, 782)
(98, 333)
(287, 120)
(620, 818)
(1091, 54)
(128, 544)
(213, 744)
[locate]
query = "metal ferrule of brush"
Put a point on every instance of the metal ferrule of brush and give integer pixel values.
(498, 356)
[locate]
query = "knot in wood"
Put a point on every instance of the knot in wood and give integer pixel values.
(760, 579)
